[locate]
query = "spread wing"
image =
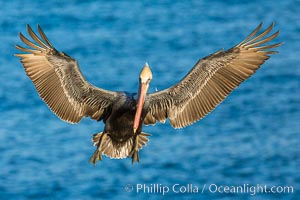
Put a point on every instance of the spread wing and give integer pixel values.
(59, 81)
(210, 81)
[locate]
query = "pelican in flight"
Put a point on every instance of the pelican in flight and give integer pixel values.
(60, 83)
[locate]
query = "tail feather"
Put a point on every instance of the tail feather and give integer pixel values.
(96, 138)
(117, 150)
(143, 139)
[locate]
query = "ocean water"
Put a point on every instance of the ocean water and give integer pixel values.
(251, 139)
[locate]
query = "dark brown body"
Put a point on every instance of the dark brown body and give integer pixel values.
(119, 122)
(118, 139)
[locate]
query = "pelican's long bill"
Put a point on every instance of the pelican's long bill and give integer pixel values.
(142, 94)
(145, 78)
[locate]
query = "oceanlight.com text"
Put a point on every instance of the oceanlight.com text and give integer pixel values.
(163, 189)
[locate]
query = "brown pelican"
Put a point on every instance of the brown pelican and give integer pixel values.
(60, 83)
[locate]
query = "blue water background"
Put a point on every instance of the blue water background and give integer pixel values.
(251, 138)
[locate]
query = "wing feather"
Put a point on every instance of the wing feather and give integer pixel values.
(210, 81)
(59, 81)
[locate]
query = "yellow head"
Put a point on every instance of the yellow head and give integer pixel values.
(146, 74)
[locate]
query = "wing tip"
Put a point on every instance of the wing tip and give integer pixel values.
(37, 43)
(257, 41)
(251, 37)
